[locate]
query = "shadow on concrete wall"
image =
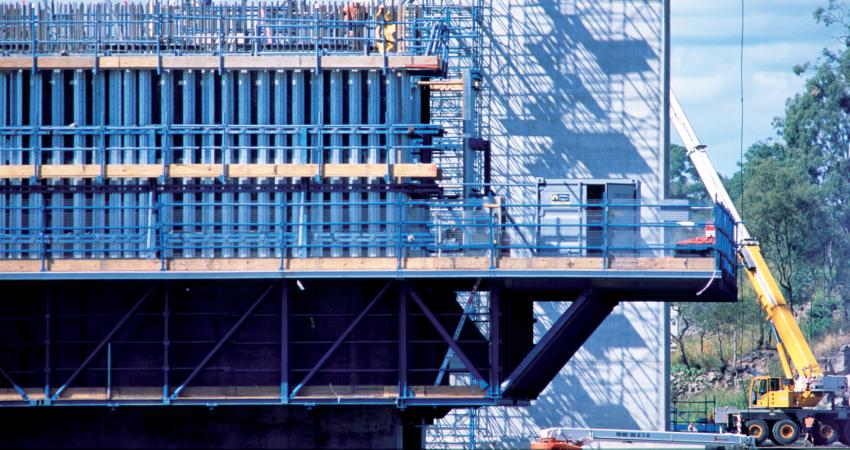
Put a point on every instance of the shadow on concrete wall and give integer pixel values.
(575, 90)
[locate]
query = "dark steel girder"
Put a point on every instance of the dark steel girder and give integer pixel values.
(557, 346)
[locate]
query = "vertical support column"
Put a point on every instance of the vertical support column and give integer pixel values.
(57, 155)
(36, 202)
(355, 144)
(187, 156)
(263, 112)
(316, 237)
(244, 154)
(391, 145)
(281, 117)
(47, 343)
(227, 198)
(114, 121)
(99, 114)
(208, 107)
(166, 343)
(299, 156)
(81, 100)
(130, 119)
(468, 133)
(16, 117)
(5, 158)
(146, 153)
(336, 208)
(495, 340)
(284, 342)
(402, 340)
(166, 114)
(373, 85)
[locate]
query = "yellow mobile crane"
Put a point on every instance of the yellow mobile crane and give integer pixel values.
(777, 406)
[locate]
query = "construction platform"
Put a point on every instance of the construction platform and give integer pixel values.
(288, 205)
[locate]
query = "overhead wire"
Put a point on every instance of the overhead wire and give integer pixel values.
(741, 131)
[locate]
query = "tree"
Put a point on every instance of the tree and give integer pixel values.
(784, 211)
(684, 180)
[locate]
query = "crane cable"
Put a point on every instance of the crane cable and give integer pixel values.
(741, 89)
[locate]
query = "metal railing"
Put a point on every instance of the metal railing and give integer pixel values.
(279, 221)
(269, 27)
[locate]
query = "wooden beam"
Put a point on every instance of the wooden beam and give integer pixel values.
(56, 171)
(233, 62)
(127, 62)
(358, 264)
(133, 170)
(443, 85)
(194, 170)
(50, 171)
(415, 170)
(16, 171)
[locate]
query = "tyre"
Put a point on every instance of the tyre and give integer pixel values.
(784, 432)
(844, 433)
(758, 429)
(825, 434)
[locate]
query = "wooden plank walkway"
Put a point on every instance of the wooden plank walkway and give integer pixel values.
(365, 265)
(234, 62)
(60, 171)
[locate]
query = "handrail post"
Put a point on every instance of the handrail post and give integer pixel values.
(283, 233)
(160, 226)
(399, 222)
(43, 210)
(492, 241)
(605, 212)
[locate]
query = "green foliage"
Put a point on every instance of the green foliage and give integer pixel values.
(794, 195)
(820, 317)
(684, 180)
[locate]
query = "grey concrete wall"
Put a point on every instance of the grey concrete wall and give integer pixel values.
(577, 90)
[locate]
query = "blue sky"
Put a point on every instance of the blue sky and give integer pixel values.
(704, 66)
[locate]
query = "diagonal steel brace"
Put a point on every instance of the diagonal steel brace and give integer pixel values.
(452, 343)
(103, 342)
(220, 343)
(339, 340)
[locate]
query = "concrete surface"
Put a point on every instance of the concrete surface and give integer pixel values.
(577, 91)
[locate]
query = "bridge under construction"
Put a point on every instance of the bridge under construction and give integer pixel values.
(286, 214)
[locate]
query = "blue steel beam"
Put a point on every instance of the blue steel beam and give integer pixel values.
(402, 341)
(458, 330)
(243, 113)
(284, 342)
(451, 342)
(208, 109)
(15, 386)
(220, 343)
(103, 342)
(263, 111)
(339, 341)
(557, 346)
(355, 145)
(281, 117)
(336, 108)
(80, 92)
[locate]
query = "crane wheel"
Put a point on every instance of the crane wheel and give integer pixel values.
(844, 435)
(758, 430)
(785, 432)
(826, 434)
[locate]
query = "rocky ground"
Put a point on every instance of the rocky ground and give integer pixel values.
(693, 382)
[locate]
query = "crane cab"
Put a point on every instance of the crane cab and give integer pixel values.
(775, 392)
(768, 392)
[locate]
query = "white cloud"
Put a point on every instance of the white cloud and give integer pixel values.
(705, 67)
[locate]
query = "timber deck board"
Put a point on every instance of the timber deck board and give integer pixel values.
(383, 264)
(65, 171)
(234, 62)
